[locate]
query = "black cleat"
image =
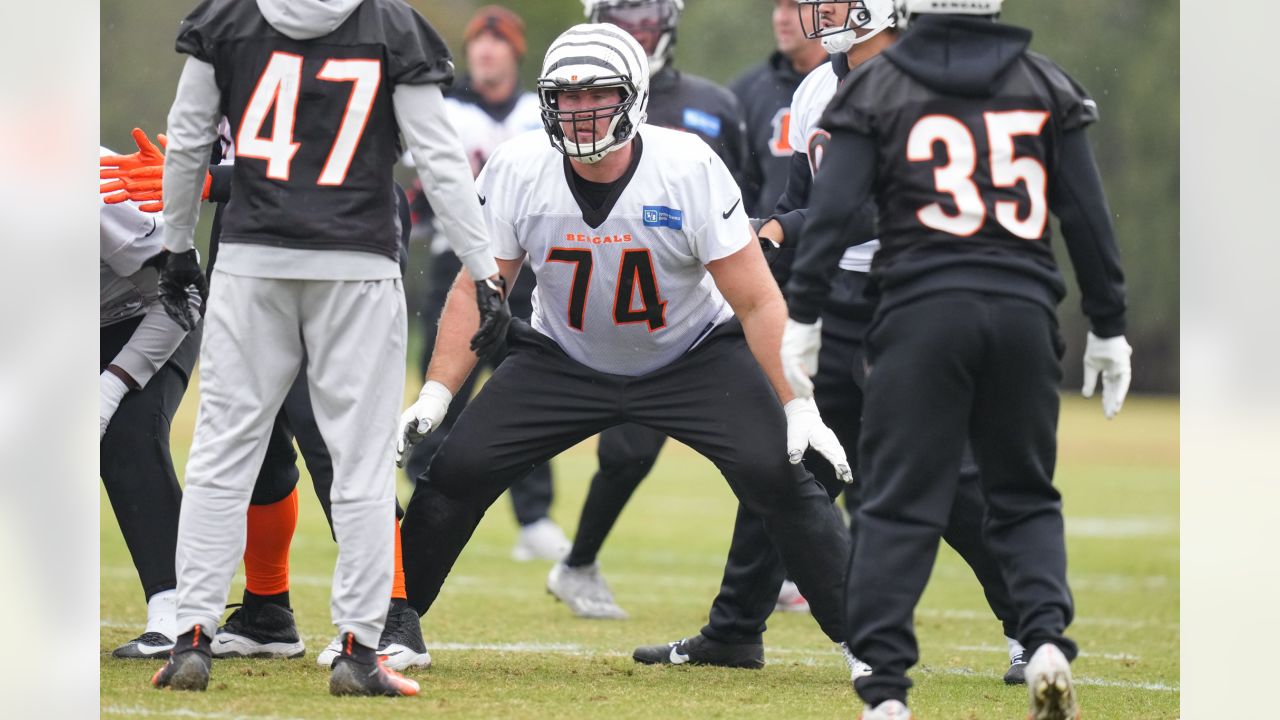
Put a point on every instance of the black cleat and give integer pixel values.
(1017, 672)
(401, 645)
(264, 630)
(147, 646)
(358, 671)
(700, 650)
(189, 664)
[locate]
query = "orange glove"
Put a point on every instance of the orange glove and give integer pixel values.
(139, 177)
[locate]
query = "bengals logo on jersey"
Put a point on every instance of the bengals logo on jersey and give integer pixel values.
(780, 143)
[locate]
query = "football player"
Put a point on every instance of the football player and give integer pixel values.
(695, 105)
(653, 300)
(966, 140)
(308, 259)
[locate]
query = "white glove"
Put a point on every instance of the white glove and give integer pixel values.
(1110, 358)
(111, 390)
(800, 345)
(805, 429)
(422, 417)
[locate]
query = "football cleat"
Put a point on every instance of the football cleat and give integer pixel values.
(701, 650)
(264, 630)
(584, 591)
(359, 671)
(401, 645)
(190, 663)
(887, 710)
(857, 668)
(540, 540)
(790, 599)
(330, 653)
(1053, 696)
(1017, 672)
(147, 646)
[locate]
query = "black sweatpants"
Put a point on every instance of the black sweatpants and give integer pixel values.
(135, 463)
(539, 402)
(532, 494)
(946, 368)
(754, 571)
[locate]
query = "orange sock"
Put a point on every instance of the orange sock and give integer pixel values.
(397, 577)
(266, 551)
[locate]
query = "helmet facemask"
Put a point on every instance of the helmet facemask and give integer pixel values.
(618, 132)
(850, 23)
(649, 19)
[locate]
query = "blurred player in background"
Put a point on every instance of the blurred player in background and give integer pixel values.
(967, 140)
(654, 308)
(692, 104)
(309, 258)
(487, 108)
(145, 363)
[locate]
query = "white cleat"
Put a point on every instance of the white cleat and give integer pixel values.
(887, 710)
(541, 540)
(584, 591)
(330, 653)
(1053, 696)
(857, 668)
(790, 599)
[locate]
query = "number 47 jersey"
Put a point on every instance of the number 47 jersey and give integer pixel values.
(308, 96)
(622, 288)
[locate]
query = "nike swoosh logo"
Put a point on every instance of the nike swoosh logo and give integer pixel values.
(149, 649)
(678, 658)
(154, 225)
(482, 198)
(729, 212)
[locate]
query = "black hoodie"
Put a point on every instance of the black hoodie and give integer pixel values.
(966, 92)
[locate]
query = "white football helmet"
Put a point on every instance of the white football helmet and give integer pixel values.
(642, 16)
(907, 8)
(846, 23)
(589, 56)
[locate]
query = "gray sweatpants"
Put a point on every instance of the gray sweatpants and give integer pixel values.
(255, 333)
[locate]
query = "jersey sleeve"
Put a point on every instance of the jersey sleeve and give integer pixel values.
(416, 54)
(723, 229)
(127, 237)
(196, 32)
(496, 205)
(848, 110)
(1072, 106)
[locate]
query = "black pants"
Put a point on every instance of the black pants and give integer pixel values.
(945, 369)
(532, 494)
(539, 403)
(754, 571)
(135, 463)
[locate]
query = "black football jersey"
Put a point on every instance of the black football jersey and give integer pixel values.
(315, 133)
(681, 101)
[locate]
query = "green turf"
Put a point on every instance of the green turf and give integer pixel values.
(504, 648)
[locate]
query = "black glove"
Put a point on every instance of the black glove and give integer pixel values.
(495, 316)
(179, 275)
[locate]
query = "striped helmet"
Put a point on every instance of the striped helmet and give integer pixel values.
(594, 56)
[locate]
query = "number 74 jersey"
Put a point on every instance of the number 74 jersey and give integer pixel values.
(623, 288)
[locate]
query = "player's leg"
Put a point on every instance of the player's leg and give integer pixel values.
(138, 475)
(537, 404)
(915, 421)
(1014, 439)
(540, 538)
(250, 354)
(626, 454)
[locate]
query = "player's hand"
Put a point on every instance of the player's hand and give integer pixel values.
(117, 167)
(495, 316)
(1108, 357)
(805, 429)
(145, 186)
(800, 345)
(183, 288)
(111, 390)
(422, 417)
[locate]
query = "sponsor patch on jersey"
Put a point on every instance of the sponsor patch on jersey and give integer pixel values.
(659, 216)
(703, 122)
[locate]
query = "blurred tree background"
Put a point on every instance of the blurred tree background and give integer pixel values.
(1125, 54)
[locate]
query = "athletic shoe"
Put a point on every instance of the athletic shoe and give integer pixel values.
(1017, 672)
(700, 650)
(540, 540)
(330, 653)
(857, 668)
(147, 646)
(190, 663)
(790, 599)
(584, 590)
(1053, 697)
(259, 631)
(401, 645)
(887, 710)
(358, 671)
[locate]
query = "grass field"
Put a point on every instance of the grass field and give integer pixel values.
(502, 647)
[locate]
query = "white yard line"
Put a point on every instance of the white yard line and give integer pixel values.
(138, 711)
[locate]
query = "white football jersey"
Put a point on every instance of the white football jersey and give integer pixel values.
(807, 105)
(629, 294)
(127, 238)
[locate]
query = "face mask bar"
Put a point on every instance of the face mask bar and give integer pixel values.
(645, 15)
(553, 118)
(856, 16)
